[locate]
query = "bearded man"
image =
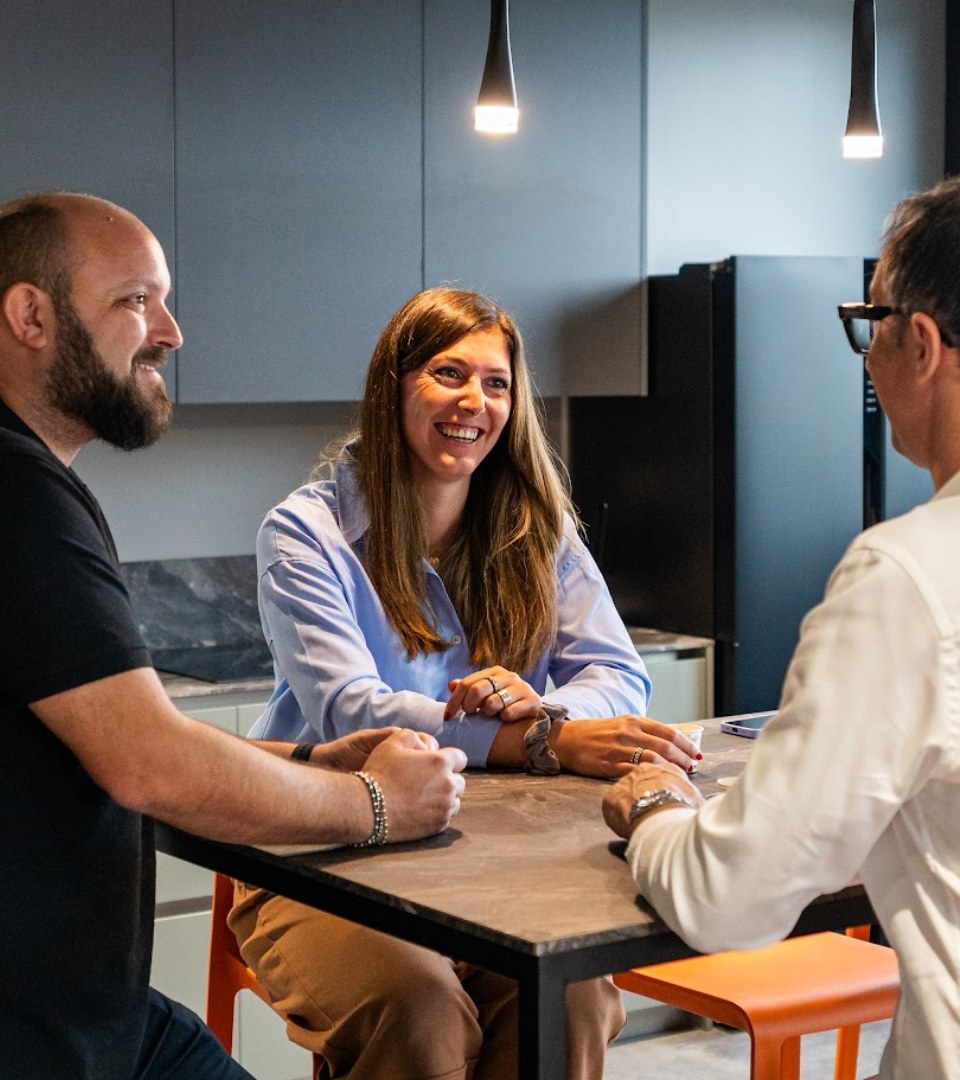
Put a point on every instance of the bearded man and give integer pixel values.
(92, 743)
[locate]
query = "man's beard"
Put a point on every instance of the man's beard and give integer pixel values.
(82, 387)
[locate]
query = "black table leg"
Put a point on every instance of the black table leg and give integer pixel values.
(543, 1024)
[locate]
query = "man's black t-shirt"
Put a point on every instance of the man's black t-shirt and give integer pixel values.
(76, 869)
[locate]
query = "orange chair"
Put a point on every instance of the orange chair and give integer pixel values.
(781, 992)
(228, 974)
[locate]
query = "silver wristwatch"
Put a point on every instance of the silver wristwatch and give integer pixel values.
(652, 800)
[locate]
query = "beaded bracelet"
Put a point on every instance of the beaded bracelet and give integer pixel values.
(379, 834)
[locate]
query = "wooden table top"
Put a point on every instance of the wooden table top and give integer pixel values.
(528, 865)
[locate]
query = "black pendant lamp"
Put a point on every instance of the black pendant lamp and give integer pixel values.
(496, 111)
(863, 138)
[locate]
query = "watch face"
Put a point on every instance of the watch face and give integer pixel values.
(650, 800)
(642, 804)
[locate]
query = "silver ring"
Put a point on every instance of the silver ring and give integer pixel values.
(636, 756)
(489, 678)
(505, 696)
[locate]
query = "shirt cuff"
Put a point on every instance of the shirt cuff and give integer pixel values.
(474, 735)
(666, 818)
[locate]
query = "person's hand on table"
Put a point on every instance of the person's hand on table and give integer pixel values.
(495, 692)
(610, 748)
(656, 776)
(350, 752)
(421, 785)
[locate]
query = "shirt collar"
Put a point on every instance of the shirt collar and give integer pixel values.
(10, 420)
(352, 512)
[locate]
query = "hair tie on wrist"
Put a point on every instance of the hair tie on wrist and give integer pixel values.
(539, 757)
(379, 834)
(302, 752)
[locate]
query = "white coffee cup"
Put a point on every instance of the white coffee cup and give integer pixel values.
(694, 732)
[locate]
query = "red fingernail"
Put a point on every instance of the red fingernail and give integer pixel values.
(699, 756)
(446, 716)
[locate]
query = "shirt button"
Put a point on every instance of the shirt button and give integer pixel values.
(456, 639)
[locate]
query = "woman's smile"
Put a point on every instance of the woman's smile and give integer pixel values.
(460, 434)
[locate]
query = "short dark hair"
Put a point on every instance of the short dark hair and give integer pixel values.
(921, 256)
(35, 246)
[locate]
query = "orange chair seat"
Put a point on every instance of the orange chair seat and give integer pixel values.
(781, 992)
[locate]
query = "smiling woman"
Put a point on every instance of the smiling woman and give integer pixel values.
(437, 582)
(456, 467)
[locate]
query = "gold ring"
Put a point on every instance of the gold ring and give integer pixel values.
(636, 756)
(505, 696)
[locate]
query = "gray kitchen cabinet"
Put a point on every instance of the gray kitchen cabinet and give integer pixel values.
(327, 169)
(298, 150)
(322, 167)
(87, 105)
(547, 220)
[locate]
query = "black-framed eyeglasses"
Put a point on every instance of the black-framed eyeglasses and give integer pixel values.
(860, 321)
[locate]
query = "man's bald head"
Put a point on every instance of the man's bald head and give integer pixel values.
(39, 233)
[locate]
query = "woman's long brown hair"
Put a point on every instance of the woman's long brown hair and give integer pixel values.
(499, 569)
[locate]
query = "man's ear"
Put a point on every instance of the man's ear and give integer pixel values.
(28, 312)
(930, 348)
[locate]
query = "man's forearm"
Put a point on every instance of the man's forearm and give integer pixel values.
(154, 760)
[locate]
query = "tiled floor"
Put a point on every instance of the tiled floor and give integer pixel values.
(720, 1054)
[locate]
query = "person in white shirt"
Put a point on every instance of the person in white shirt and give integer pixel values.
(859, 771)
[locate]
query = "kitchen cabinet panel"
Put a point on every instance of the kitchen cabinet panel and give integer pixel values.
(261, 1044)
(179, 880)
(221, 716)
(181, 944)
(247, 716)
(87, 105)
(298, 150)
(547, 220)
(681, 690)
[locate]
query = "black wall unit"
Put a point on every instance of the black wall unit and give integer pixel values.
(951, 148)
(718, 504)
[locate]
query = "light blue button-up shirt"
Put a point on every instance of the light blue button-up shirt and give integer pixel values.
(340, 666)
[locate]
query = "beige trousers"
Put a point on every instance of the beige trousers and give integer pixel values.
(377, 1008)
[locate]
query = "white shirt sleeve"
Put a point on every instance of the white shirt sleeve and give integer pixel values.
(858, 732)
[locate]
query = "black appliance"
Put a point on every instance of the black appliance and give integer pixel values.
(718, 504)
